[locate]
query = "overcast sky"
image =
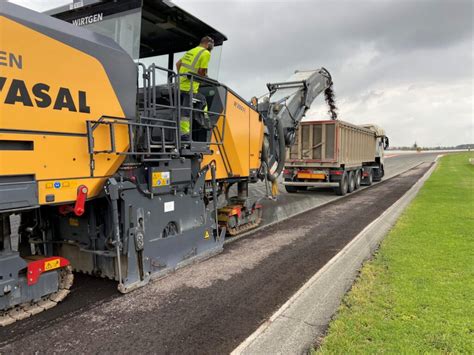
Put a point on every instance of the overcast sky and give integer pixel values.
(406, 65)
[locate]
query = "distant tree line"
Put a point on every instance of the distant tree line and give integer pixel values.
(417, 147)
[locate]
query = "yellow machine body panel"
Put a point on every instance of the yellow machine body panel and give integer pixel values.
(256, 140)
(48, 90)
(243, 136)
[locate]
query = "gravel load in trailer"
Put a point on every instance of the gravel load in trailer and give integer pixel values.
(335, 154)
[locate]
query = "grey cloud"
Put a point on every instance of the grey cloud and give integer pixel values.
(267, 38)
(407, 64)
(401, 25)
(41, 5)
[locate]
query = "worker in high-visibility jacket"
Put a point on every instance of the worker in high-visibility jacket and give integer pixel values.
(194, 61)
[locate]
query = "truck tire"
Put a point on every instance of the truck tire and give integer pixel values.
(341, 190)
(358, 178)
(291, 189)
(368, 179)
(378, 173)
(351, 182)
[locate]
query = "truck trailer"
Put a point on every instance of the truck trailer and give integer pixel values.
(335, 154)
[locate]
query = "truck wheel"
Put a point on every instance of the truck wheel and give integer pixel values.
(291, 189)
(358, 178)
(378, 174)
(369, 178)
(341, 190)
(351, 182)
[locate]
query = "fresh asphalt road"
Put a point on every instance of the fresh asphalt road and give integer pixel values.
(212, 306)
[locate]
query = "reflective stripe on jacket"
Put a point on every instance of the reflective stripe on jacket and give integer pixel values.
(192, 61)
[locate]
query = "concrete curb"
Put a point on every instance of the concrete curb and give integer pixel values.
(294, 328)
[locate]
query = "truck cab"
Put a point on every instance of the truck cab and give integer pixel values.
(381, 143)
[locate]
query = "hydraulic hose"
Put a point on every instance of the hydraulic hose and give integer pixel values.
(281, 150)
(137, 186)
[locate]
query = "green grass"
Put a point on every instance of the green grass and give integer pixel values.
(417, 294)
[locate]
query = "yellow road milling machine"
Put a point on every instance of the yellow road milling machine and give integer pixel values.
(92, 162)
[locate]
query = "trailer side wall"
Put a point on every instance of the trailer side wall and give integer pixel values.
(331, 144)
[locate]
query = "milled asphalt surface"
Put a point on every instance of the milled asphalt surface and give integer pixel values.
(303, 320)
(212, 306)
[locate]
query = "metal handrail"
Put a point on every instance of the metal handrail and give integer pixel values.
(150, 105)
(148, 120)
(202, 79)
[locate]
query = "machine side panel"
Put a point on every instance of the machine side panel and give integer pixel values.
(48, 92)
(256, 128)
(232, 159)
(75, 86)
(117, 64)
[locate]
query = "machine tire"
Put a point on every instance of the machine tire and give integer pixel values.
(351, 182)
(291, 189)
(358, 178)
(302, 188)
(341, 190)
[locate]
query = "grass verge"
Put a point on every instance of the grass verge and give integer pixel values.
(417, 294)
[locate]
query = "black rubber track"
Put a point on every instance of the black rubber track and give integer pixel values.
(216, 319)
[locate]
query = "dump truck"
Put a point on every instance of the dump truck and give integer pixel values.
(335, 154)
(92, 161)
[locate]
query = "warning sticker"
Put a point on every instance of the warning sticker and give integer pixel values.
(160, 178)
(52, 264)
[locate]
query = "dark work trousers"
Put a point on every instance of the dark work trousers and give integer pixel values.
(199, 133)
